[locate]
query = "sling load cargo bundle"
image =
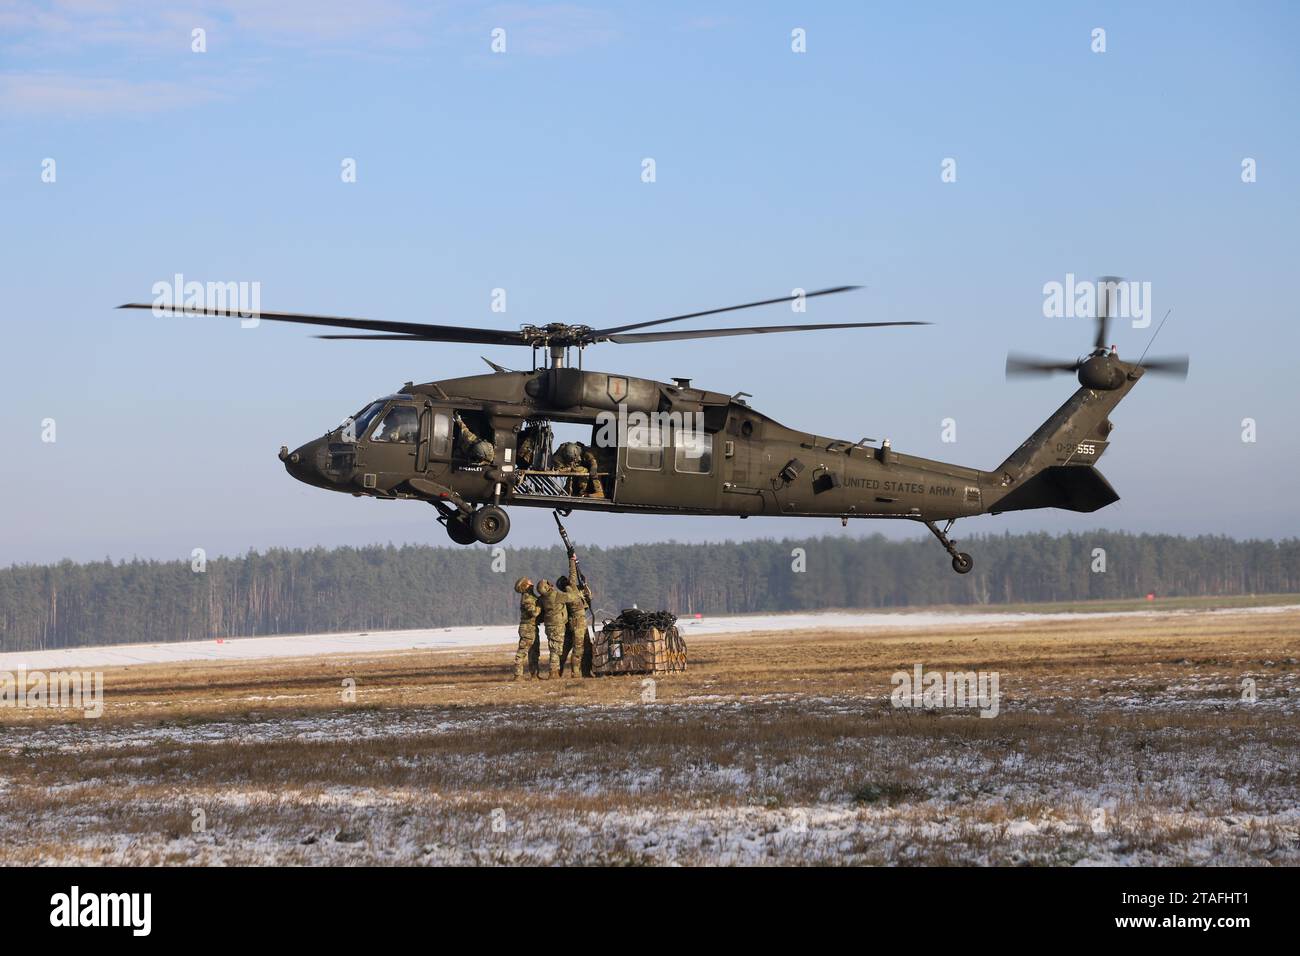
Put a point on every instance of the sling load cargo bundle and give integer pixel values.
(638, 642)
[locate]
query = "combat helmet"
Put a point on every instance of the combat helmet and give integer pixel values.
(569, 453)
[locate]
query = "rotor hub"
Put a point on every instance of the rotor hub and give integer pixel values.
(557, 335)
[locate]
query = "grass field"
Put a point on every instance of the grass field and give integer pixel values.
(1130, 604)
(1115, 741)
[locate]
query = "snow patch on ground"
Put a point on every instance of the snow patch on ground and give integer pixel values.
(459, 638)
(1183, 795)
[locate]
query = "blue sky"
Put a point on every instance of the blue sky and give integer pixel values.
(522, 170)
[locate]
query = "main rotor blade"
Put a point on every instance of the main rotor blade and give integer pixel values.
(1102, 289)
(602, 333)
(428, 332)
(638, 337)
(1103, 332)
(1029, 365)
(378, 338)
(1173, 365)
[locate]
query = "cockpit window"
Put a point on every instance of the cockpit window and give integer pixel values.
(401, 424)
(355, 427)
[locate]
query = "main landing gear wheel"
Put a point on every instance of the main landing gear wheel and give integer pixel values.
(961, 561)
(491, 524)
(459, 529)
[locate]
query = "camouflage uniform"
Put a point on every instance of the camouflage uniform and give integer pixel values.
(556, 617)
(577, 600)
(529, 440)
(478, 450)
(529, 612)
(591, 485)
(574, 457)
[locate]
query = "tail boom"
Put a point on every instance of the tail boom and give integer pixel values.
(1053, 468)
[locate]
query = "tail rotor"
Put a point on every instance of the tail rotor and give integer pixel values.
(1094, 368)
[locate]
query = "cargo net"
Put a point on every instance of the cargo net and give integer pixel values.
(635, 619)
(638, 642)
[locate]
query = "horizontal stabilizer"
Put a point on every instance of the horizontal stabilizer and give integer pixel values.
(1060, 486)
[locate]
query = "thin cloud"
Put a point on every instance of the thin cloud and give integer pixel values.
(133, 28)
(76, 96)
(76, 26)
(63, 38)
(695, 24)
(375, 23)
(553, 29)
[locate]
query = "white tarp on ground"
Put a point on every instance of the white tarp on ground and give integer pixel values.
(455, 638)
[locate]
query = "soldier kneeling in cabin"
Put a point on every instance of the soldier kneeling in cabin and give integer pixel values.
(578, 459)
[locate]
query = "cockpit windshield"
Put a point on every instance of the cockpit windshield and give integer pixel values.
(355, 427)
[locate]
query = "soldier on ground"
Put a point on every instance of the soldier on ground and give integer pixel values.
(578, 600)
(555, 616)
(529, 611)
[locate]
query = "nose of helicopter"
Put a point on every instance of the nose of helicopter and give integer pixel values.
(308, 462)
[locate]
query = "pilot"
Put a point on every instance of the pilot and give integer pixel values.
(408, 430)
(477, 450)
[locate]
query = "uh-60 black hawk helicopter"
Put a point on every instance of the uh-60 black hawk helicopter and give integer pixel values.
(472, 446)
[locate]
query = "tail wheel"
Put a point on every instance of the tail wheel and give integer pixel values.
(490, 524)
(460, 530)
(962, 562)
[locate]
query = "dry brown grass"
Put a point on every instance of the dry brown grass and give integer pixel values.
(771, 748)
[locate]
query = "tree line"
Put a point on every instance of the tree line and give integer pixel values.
(418, 586)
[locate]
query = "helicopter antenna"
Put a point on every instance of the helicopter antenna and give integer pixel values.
(1154, 334)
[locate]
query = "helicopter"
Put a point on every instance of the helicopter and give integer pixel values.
(473, 446)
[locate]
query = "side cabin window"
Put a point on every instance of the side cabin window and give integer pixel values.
(440, 436)
(645, 451)
(693, 451)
